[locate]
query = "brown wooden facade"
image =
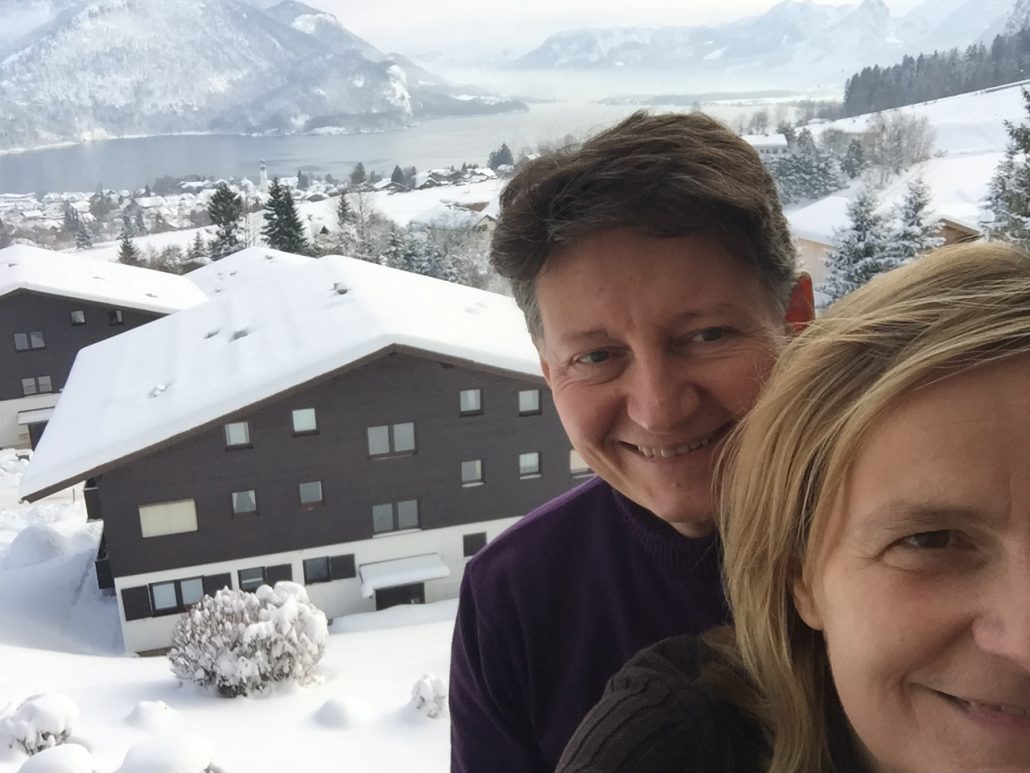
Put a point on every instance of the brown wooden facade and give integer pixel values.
(66, 324)
(396, 387)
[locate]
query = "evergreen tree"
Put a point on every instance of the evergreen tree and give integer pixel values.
(303, 181)
(358, 175)
(226, 211)
(854, 159)
(283, 229)
(344, 214)
(1008, 194)
(806, 172)
(397, 176)
(500, 157)
(917, 229)
(861, 250)
(6, 239)
(83, 237)
(197, 250)
(128, 253)
(71, 219)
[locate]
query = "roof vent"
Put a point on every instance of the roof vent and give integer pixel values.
(158, 390)
(241, 333)
(340, 288)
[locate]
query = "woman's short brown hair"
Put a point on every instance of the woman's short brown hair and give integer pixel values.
(666, 175)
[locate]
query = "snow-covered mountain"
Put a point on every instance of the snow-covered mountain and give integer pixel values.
(797, 42)
(139, 67)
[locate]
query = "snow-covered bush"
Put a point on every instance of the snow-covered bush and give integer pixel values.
(68, 758)
(429, 696)
(40, 722)
(180, 753)
(242, 642)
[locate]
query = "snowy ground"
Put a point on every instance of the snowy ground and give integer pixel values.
(58, 634)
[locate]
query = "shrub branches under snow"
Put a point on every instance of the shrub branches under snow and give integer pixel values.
(241, 642)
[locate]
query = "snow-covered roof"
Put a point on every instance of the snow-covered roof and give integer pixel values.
(254, 264)
(401, 571)
(74, 276)
(817, 221)
(186, 371)
(765, 140)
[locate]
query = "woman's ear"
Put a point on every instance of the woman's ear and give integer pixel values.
(804, 599)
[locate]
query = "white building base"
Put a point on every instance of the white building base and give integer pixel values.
(335, 598)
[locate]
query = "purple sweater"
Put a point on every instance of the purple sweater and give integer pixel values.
(552, 608)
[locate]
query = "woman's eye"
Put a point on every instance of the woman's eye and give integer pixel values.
(710, 334)
(593, 358)
(930, 540)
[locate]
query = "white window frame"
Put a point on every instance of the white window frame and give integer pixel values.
(529, 394)
(304, 412)
(535, 472)
(477, 470)
(158, 519)
(470, 402)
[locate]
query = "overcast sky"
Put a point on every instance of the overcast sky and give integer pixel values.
(414, 26)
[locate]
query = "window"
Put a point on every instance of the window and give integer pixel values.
(237, 435)
(23, 342)
(472, 472)
(78, 317)
(529, 464)
(176, 595)
(577, 467)
(395, 516)
(473, 543)
(162, 518)
(244, 502)
(326, 568)
(304, 421)
(162, 598)
(529, 402)
(251, 579)
(391, 439)
(470, 402)
(311, 493)
(37, 385)
(115, 317)
(316, 570)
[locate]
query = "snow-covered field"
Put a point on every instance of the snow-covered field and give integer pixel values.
(59, 635)
(401, 208)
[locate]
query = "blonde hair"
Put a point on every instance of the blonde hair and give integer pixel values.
(957, 308)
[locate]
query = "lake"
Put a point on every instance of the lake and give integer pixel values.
(132, 163)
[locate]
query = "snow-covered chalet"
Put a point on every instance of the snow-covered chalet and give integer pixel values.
(53, 304)
(358, 429)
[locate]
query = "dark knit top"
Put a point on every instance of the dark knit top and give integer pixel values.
(552, 608)
(655, 717)
(660, 714)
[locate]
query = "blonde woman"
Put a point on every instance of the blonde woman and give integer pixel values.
(875, 516)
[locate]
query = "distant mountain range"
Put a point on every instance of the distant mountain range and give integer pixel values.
(796, 43)
(73, 70)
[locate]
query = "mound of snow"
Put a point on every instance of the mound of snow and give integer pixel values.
(36, 543)
(68, 758)
(40, 722)
(334, 714)
(169, 754)
(429, 696)
(151, 715)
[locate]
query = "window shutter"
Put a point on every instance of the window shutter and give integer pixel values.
(136, 602)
